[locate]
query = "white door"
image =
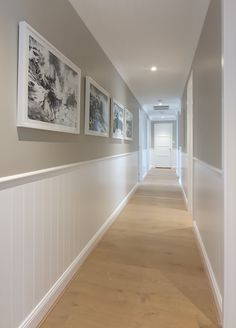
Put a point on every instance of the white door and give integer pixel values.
(163, 144)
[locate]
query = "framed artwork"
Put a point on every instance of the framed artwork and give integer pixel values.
(48, 85)
(97, 108)
(128, 125)
(117, 120)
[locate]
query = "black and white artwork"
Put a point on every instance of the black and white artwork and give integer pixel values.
(128, 125)
(117, 120)
(97, 105)
(48, 86)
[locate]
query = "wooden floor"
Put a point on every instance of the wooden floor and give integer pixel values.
(145, 273)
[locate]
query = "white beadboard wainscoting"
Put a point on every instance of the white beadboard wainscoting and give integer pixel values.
(145, 163)
(49, 222)
(183, 175)
(174, 157)
(209, 223)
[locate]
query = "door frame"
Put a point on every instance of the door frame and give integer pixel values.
(148, 142)
(229, 160)
(140, 148)
(144, 144)
(171, 143)
(190, 141)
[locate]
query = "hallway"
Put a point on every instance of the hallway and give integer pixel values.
(146, 272)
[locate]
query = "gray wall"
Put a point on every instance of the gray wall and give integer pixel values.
(174, 132)
(207, 91)
(24, 149)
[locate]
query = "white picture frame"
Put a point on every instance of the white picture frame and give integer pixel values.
(97, 109)
(128, 125)
(117, 119)
(49, 85)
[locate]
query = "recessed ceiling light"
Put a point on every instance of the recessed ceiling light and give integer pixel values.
(153, 68)
(160, 102)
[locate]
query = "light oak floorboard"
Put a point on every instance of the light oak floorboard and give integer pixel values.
(145, 273)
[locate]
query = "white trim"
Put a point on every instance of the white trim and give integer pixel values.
(144, 175)
(180, 164)
(177, 146)
(23, 178)
(140, 156)
(207, 264)
(190, 181)
(229, 159)
(210, 167)
(183, 192)
(39, 312)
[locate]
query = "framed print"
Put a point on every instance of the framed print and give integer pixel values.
(97, 107)
(117, 120)
(48, 85)
(128, 125)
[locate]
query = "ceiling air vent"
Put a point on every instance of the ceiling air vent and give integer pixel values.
(161, 107)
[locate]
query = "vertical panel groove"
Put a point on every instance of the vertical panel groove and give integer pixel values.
(46, 224)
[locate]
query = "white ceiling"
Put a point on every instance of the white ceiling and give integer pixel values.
(138, 34)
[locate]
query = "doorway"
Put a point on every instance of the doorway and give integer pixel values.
(144, 144)
(163, 135)
(190, 141)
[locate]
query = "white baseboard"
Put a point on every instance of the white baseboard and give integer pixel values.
(39, 312)
(184, 194)
(208, 268)
(144, 176)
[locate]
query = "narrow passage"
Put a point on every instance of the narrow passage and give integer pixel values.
(145, 273)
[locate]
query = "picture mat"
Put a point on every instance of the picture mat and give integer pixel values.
(97, 109)
(43, 92)
(117, 120)
(128, 125)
